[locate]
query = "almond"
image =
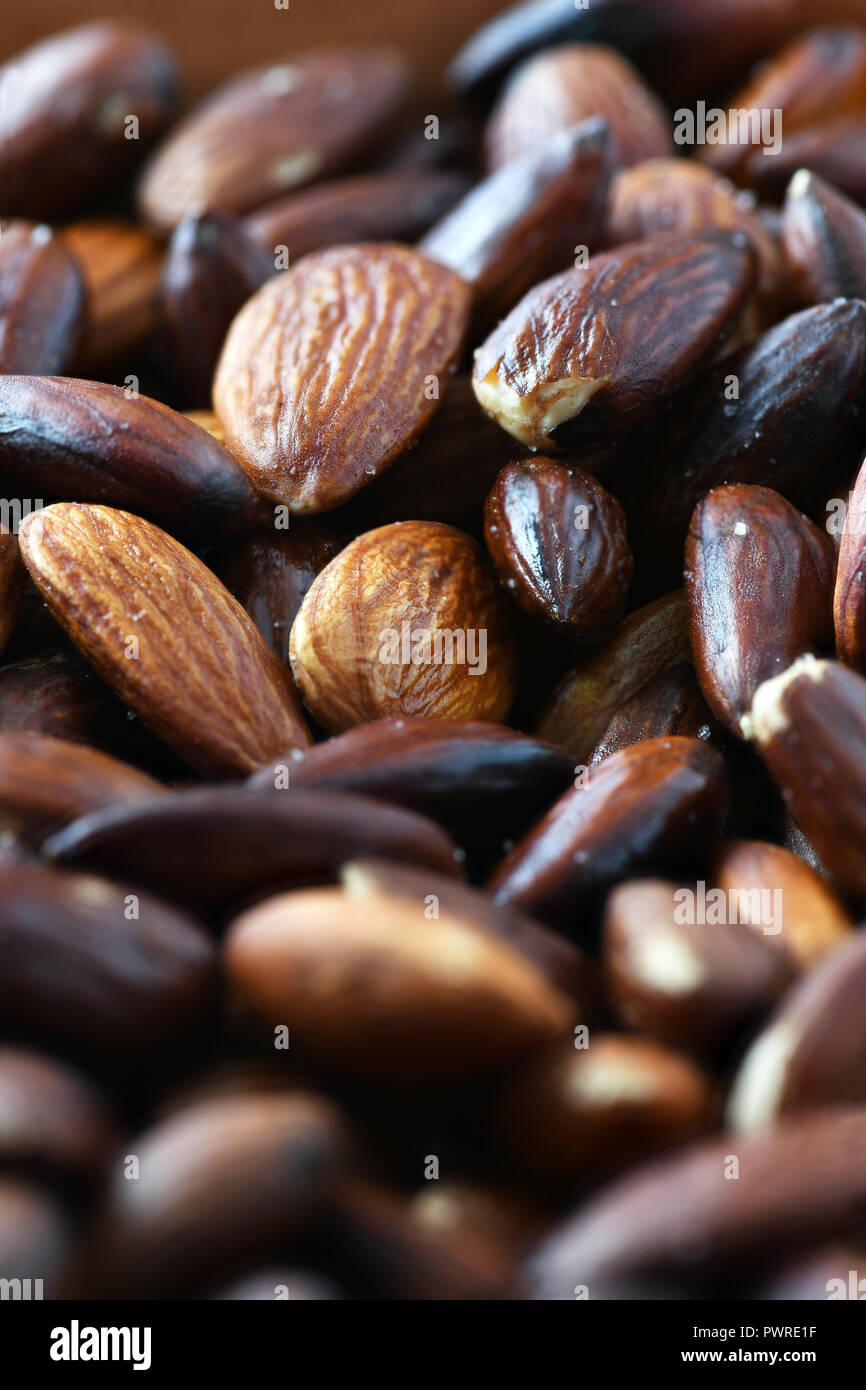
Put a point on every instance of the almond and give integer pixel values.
(41, 300)
(834, 150)
(849, 602)
(824, 238)
(670, 704)
(331, 370)
(208, 686)
(11, 585)
(588, 355)
(121, 265)
(54, 1121)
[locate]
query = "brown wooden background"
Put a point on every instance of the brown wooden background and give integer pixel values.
(215, 37)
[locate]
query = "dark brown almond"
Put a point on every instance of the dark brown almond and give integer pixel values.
(809, 724)
(391, 205)
(212, 267)
(813, 1050)
(590, 354)
(35, 1234)
(583, 704)
(756, 875)
(79, 108)
(570, 84)
(677, 972)
(834, 150)
(58, 695)
(426, 632)
(273, 129)
(332, 369)
(51, 1119)
(121, 265)
(214, 848)
(270, 572)
(42, 300)
(165, 635)
(824, 240)
(802, 1182)
(510, 1219)
(45, 782)
(11, 585)
(482, 782)
(64, 438)
(849, 599)
(759, 582)
(670, 704)
(654, 804)
(527, 219)
(449, 1001)
(88, 966)
(558, 542)
(574, 1116)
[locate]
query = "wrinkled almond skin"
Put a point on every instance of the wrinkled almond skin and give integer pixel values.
(53, 1120)
(824, 240)
(653, 804)
(559, 88)
(670, 704)
(759, 582)
(121, 265)
(213, 848)
(849, 600)
(64, 438)
(809, 724)
(199, 673)
(332, 369)
(524, 221)
(834, 150)
(42, 300)
(450, 1000)
(694, 984)
(271, 130)
(590, 354)
(67, 101)
(353, 647)
(588, 697)
(46, 781)
(572, 1116)
(559, 545)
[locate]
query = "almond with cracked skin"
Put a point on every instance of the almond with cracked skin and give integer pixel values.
(121, 266)
(331, 370)
(47, 781)
(590, 354)
(273, 129)
(558, 542)
(824, 240)
(654, 804)
(589, 696)
(67, 103)
(809, 724)
(565, 85)
(759, 582)
(849, 600)
(163, 632)
(66, 438)
(448, 1000)
(42, 300)
(405, 621)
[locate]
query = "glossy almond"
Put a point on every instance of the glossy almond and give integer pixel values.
(588, 355)
(759, 582)
(273, 129)
(63, 438)
(824, 239)
(849, 600)
(570, 84)
(653, 804)
(670, 704)
(67, 100)
(41, 300)
(120, 264)
(449, 1001)
(583, 704)
(332, 369)
(57, 694)
(205, 683)
(405, 621)
(46, 781)
(834, 150)
(559, 544)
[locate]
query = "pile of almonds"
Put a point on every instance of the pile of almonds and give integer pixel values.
(433, 696)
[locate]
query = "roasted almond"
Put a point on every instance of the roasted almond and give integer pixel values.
(69, 104)
(63, 438)
(121, 265)
(11, 585)
(849, 600)
(558, 542)
(654, 804)
(273, 129)
(208, 686)
(51, 1118)
(824, 239)
(590, 354)
(35, 1237)
(670, 704)
(759, 582)
(331, 370)
(834, 150)
(405, 621)
(41, 300)
(570, 84)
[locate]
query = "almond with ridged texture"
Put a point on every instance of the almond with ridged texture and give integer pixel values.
(824, 241)
(405, 621)
(163, 632)
(333, 369)
(42, 300)
(121, 265)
